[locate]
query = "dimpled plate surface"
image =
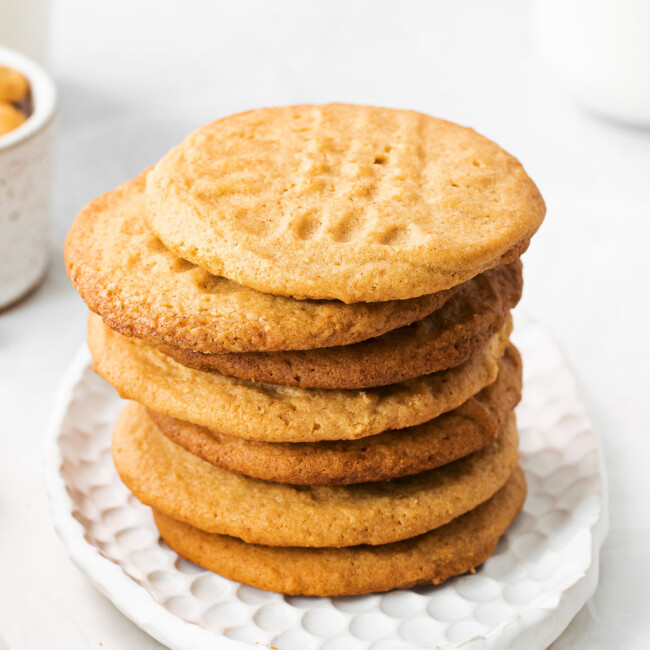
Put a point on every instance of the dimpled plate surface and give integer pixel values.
(542, 572)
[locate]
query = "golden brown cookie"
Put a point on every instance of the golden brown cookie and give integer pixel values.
(355, 203)
(168, 478)
(446, 338)
(125, 274)
(281, 413)
(10, 118)
(455, 548)
(13, 85)
(391, 454)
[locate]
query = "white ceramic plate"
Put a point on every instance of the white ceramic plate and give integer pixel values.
(543, 571)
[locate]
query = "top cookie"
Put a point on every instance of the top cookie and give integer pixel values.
(343, 202)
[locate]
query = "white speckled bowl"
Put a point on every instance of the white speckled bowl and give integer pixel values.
(26, 166)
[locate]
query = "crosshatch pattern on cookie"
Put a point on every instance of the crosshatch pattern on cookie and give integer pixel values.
(348, 202)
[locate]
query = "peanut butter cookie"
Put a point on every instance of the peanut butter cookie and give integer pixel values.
(275, 413)
(446, 338)
(354, 203)
(181, 485)
(455, 548)
(124, 273)
(391, 454)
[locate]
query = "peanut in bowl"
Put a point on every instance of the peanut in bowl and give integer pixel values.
(26, 165)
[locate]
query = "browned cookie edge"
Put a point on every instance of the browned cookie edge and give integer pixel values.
(458, 547)
(384, 456)
(444, 339)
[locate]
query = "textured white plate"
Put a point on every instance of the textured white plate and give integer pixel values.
(543, 571)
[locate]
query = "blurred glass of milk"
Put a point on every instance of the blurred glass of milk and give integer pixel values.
(600, 50)
(25, 26)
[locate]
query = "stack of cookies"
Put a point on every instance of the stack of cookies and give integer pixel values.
(309, 308)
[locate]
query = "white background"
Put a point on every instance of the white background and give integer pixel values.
(136, 75)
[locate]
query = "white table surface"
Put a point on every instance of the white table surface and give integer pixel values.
(135, 77)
